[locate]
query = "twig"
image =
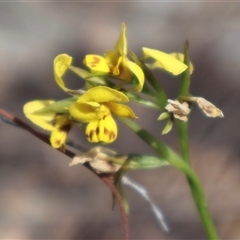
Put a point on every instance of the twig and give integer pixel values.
(107, 179)
(121, 207)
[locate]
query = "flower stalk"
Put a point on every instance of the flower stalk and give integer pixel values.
(196, 189)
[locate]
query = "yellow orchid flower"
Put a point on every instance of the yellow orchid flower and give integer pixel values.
(61, 64)
(96, 107)
(58, 124)
(172, 63)
(116, 63)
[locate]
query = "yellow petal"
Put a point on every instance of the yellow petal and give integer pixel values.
(121, 110)
(165, 61)
(59, 134)
(107, 130)
(62, 121)
(137, 71)
(96, 63)
(103, 94)
(44, 120)
(121, 44)
(87, 111)
(122, 71)
(60, 65)
(116, 69)
(92, 131)
(112, 59)
(58, 138)
(120, 49)
(104, 130)
(180, 57)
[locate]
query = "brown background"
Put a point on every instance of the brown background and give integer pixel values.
(40, 196)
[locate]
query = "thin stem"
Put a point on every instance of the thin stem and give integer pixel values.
(107, 179)
(196, 189)
(197, 192)
(186, 80)
(184, 140)
(176, 161)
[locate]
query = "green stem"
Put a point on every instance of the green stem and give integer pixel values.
(176, 161)
(184, 141)
(197, 193)
(186, 80)
(196, 189)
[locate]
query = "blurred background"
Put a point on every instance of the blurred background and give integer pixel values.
(41, 197)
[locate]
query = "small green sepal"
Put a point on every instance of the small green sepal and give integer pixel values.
(59, 107)
(168, 127)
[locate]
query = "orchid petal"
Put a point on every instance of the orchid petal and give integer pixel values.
(104, 130)
(92, 131)
(180, 57)
(103, 94)
(121, 45)
(121, 110)
(60, 65)
(165, 61)
(96, 63)
(59, 134)
(87, 111)
(137, 71)
(107, 129)
(44, 120)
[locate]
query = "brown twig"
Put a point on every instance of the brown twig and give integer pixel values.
(120, 204)
(107, 179)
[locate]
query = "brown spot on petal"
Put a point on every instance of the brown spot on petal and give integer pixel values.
(57, 142)
(66, 128)
(111, 134)
(94, 62)
(90, 135)
(97, 130)
(61, 148)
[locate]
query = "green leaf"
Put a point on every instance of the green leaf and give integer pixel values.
(138, 161)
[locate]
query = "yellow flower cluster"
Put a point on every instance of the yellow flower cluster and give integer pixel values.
(99, 101)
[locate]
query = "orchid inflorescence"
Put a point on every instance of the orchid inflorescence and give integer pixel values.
(112, 81)
(101, 99)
